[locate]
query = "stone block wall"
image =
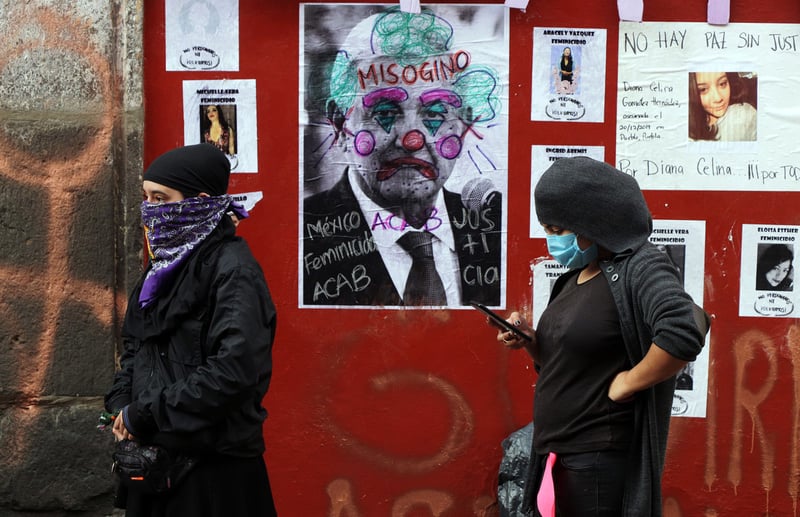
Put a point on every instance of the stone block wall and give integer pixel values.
(71, 119)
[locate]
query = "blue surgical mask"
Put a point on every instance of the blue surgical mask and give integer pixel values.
(564, 248)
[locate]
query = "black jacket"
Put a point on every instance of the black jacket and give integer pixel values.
(197, 362)
(655, 309)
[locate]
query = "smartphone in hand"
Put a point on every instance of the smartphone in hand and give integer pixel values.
(499, 322)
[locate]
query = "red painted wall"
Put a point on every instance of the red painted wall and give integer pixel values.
(401, 413)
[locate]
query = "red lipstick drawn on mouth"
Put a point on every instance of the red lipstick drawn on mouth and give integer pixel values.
(391, 167)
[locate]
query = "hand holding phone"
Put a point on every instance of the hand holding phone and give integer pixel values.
(498, 321)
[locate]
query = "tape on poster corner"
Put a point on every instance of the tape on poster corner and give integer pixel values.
(630, 10)
(410, 6)
(719, 12)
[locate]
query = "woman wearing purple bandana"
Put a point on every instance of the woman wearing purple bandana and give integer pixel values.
(198, 333)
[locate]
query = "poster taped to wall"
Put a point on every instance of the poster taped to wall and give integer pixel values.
(704, 107)
(403, 156)
(569, 74)
(545, 272)
(202, 35)
(223, 113)
(542, 156)
(767, 280)
(684, 243)
(248, 199)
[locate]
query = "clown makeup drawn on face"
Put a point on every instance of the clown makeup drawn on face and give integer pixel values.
(404, 156)
(402, 111)
(405, 141)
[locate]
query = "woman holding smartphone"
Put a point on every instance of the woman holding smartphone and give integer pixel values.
(618, 328)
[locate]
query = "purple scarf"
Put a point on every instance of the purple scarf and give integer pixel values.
(173, 230)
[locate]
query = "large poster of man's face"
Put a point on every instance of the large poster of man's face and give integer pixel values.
(403, 156)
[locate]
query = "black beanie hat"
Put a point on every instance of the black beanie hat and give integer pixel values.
(596, 201)
(191, 170)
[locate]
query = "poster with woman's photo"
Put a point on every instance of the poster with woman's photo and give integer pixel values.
(201, 35)
(542, 157)
(223, 113)
(684, 243)
(766, 286)
(723, 107)
(702, 107)
(568, 74)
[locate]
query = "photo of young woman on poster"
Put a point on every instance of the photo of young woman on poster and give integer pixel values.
(722, 106)
(215, 128)
(565, 70)
(774, 270)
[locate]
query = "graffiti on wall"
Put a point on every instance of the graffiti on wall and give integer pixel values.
(435, 502)
(744, 453)
(59, 173)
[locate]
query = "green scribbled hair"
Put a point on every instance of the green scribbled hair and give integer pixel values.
(410, 39)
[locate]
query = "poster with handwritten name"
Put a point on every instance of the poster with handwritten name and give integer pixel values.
(766, 286)
(702, 107)
(683, 242)
(223, 113)
(542, 156)
(403, 156)
(201, 35)
(569, 74)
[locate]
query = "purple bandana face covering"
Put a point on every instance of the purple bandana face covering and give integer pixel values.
(175, 229)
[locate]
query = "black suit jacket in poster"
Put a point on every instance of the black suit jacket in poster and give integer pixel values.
(341, 266)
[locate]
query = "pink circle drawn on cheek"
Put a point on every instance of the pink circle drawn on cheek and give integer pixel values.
(413, 140)
(449, 147)
(364, 143)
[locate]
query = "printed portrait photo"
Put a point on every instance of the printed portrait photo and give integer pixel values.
(404, 157)
(685, 379)
(676, 254)
(218, 126)
(775, 267)
(723, 106)
(566, 69)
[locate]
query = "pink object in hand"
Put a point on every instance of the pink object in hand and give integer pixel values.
(546, 498)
